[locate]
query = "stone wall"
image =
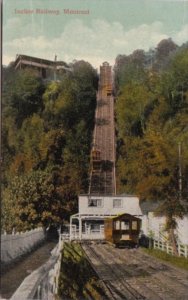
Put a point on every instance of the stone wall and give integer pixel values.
(14, 246)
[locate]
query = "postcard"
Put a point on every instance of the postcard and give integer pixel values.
(94, 155)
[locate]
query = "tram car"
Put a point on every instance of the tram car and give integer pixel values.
(122, 230)
(96, 159)
(109, 90)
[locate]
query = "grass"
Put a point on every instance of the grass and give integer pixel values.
(180, 262)
(77, 279)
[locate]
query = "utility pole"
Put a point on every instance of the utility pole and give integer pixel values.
(55, 60)
(1, 71)
(180, 169)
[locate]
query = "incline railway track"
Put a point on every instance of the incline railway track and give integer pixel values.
(116, 286)
(130, 274)
(103, 180)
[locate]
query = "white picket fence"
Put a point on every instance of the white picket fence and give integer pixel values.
(165, 246)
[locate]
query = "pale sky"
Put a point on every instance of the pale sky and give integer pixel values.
(112, 27)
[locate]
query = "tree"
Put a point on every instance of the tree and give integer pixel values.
(148, 161)
(130, 69)
(25, 96)
(33, 200)
(163, 51)
(47, 142)
(132, 121)
(172, 208)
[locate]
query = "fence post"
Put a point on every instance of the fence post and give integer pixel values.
(179, 249)
(186, 250)
(167, 248)
(39, 292)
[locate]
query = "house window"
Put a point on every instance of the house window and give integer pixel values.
(117, 203)
(95, 203)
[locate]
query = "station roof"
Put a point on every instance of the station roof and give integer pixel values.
(122, 215)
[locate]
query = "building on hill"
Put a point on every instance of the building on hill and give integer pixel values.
(88, 223)
(47, 69)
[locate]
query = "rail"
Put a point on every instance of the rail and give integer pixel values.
(102, 180)
(166, 247)
(43, 283)
(112, 274)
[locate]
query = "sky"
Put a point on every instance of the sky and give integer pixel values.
(109, 28)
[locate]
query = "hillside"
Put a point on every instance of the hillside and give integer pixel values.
(48, 127)
(47, 132)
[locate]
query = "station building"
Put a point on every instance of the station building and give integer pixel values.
(88, 223)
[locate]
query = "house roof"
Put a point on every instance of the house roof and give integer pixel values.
(36, 61)
(108, 196)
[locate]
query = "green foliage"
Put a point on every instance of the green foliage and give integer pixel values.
(24, 97)
(152, 120)
(132, 121)
(180, 262)
(164, 50)
(130, 69)
(33, 200)
(47, 134)
(174, 83)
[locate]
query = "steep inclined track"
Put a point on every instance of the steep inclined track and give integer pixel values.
(130, 274)
(103, 180)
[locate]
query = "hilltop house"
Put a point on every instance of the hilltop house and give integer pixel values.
(46, 69)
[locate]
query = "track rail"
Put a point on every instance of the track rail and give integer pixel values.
(130, 274)
(115, 282)
(103, 181)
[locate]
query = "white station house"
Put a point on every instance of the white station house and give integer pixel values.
(88, 223)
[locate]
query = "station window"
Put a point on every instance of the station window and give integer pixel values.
(117, 225)
(134, 225)
(95, 203)
(117, 203)
(125, 225)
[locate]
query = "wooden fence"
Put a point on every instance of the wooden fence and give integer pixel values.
(164, 246)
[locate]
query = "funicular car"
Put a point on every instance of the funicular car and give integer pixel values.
(122, 230)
